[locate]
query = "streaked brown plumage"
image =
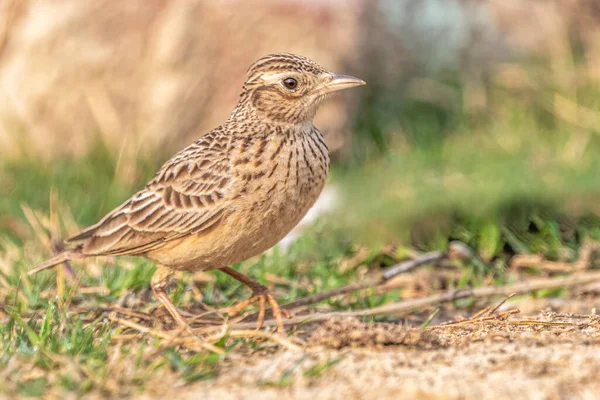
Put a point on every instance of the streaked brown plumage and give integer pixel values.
(233, 193)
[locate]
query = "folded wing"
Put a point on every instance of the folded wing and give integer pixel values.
(188, 196)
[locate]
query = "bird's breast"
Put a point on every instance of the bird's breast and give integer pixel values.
(281, 179)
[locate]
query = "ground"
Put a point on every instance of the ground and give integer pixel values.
(525, 349)
(491, 359)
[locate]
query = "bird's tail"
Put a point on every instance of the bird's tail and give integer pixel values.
(53, 262)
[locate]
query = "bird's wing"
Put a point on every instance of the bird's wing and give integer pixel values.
(189, 195)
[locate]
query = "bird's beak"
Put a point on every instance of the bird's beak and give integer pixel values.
(337, 82)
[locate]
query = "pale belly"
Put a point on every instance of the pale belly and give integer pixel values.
(244, 233)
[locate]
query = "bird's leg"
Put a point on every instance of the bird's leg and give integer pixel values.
(159, 283)
(261, 294)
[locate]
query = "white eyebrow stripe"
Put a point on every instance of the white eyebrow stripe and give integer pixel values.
(273, 77)
(276, 75)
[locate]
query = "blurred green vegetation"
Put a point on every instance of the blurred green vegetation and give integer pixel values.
(91, 185)
(442, 157)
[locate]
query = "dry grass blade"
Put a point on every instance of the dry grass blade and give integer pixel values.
(120, 310)
(37, 227)
(478, 319)
(55, 242)
(195, 344)
(501, 304)
(536, 322)
(205, 343)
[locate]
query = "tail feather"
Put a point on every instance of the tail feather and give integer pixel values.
(54, 261)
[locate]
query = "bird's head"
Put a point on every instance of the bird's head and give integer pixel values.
(285, 87)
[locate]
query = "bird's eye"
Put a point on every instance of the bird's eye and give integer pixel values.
(290, 83)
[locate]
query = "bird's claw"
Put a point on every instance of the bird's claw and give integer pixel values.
(262, 296)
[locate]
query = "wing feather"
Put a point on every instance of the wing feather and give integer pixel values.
(189, 195)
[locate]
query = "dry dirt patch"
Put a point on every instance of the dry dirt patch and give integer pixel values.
(507, 355)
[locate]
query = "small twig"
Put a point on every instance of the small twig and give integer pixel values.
(406, 266)
(456, 250)
(481, 313)
(501, 304)
(317, 297)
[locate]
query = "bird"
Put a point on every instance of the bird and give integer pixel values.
(233, 193)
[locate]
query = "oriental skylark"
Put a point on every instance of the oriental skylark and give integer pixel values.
(233, 193)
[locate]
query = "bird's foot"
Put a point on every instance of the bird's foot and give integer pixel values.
(262, 295)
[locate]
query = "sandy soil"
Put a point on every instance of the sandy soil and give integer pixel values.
(550, 354)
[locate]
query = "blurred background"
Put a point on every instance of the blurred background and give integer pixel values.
(479, 122)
